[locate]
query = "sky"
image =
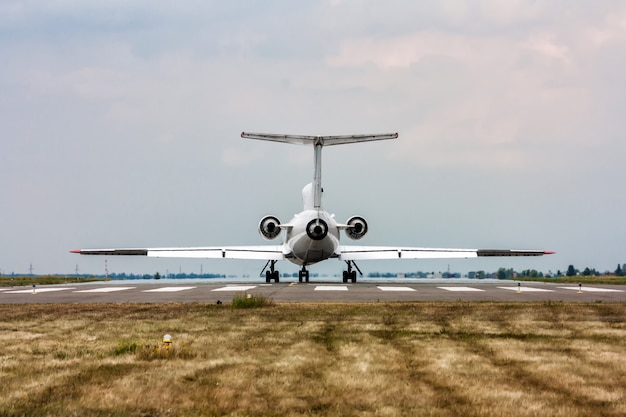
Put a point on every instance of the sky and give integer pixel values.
(120, 126)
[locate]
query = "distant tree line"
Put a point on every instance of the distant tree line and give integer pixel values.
(620, 271)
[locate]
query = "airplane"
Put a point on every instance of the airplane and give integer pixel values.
(312, 235)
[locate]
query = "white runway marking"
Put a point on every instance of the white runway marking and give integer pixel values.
(396, 289)
(39, 290)
(236, 288)
(107, 289)
(169, 289)
(331, 288)
(592, 289)
(526, 289)
(461, 289)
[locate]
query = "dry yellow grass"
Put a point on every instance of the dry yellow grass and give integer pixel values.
(418, 359)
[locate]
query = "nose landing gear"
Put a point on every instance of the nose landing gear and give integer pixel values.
(303, 274)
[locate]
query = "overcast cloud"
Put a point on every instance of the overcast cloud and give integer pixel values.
(120, 123)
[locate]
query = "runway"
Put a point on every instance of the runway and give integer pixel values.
(170, 291)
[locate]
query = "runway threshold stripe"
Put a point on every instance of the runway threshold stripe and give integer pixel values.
(169, 289)
(236, 288)
(408, 289)
(331, 288)
(109, 289)
(591, 289)
(38, 290)
(461, 289)
(525, 289)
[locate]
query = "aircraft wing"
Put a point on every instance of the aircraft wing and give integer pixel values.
(228, 252)
(356, 253)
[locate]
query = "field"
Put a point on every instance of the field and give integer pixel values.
(25, 280)
(397, 359)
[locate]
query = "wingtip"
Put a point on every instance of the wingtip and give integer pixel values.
(75, 251)
(548, 252)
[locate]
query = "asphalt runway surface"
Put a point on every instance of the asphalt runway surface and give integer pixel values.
(171, 291)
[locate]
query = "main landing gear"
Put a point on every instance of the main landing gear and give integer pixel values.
(271, 274)
(350, 275)
(303, 274)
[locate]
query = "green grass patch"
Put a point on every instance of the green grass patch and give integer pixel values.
(244, 300)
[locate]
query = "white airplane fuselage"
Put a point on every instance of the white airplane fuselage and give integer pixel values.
(303, 249)
(312, 235)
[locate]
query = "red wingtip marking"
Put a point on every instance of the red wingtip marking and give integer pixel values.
(75, 251)
(242, 133)
(549, 252)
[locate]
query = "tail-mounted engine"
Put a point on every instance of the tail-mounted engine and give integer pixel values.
(269, 227)
(357, 227)
(317, 229)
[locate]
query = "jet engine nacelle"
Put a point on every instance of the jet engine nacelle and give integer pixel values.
(317, 229)
(269, 227)
(357, 229)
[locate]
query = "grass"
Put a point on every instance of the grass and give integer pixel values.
(244, 300)
(396, 359)
(18, 281)
(603, 279)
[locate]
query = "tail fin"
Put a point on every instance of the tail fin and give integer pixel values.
(318, 142)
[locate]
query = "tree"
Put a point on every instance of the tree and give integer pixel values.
(571, 271)
(619, 272)
(157, 276)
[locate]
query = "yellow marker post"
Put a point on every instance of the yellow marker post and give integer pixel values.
(167, 341)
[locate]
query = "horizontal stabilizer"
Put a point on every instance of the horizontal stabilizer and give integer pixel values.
(314, 140)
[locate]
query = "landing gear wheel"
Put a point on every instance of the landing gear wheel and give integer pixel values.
(271, 276)
(350, 275)
(303, 273)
